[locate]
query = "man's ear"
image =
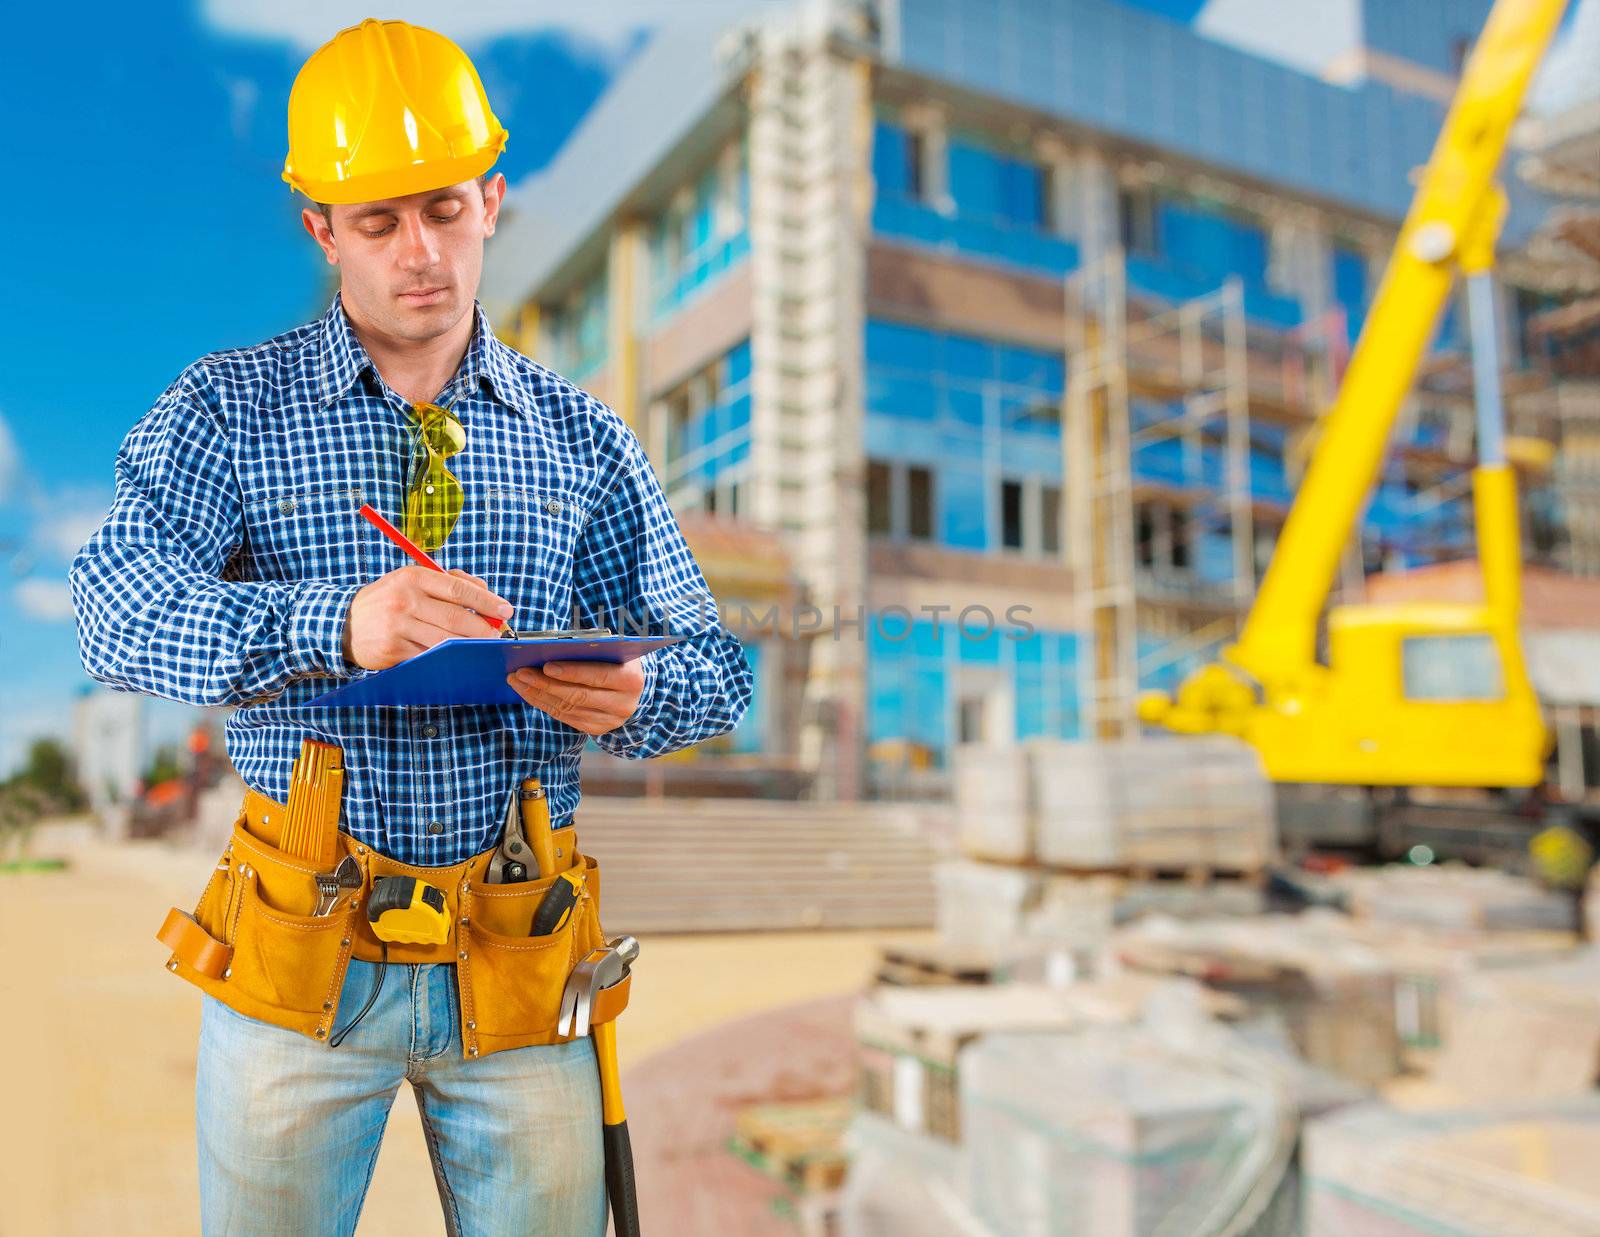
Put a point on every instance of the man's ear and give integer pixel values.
(321, 233)
(494, 193)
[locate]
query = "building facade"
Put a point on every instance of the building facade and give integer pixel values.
(1002, 328)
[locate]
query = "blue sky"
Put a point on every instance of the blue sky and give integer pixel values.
(155, 228)
(149, 226)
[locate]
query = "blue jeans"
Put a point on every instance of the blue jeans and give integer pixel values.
(289, 1127)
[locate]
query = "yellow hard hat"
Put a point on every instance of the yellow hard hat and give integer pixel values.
(385, 109)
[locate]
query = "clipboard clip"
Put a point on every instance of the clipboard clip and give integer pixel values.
(577, 633)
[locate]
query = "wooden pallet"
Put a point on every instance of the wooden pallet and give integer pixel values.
(1199, 875)
(907, 964)
(800, 1144)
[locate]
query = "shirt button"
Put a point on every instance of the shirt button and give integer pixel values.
(435, 828)
(430, 731)
(286, 505)
(553, 506)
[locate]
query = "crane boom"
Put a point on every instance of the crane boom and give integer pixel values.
(1423, 693)
(1457, 208)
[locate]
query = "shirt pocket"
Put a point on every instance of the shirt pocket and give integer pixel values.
(533, 533)
(315, 533)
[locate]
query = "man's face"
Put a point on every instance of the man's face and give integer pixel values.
(409, 267)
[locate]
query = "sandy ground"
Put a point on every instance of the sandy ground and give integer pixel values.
(99, 1135)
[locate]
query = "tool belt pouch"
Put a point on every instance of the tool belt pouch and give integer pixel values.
(510, 982)
(254, 943)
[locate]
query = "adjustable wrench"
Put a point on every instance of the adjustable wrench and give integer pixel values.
(331, 884)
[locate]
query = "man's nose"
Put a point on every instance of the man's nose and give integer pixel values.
(417, 250)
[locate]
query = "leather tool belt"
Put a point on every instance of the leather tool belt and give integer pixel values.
(255, 944)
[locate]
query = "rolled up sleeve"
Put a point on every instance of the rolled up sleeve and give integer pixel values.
(153, 610)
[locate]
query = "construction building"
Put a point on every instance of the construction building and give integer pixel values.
(980, 344)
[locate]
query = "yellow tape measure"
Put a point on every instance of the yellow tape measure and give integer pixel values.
(407, 910)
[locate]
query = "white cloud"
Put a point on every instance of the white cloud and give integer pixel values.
(44, 598)
(65, 534)
(603, 26)
(62, 519)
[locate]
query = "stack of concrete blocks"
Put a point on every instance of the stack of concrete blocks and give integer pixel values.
(1432, 965)
(903, 1183)
(989, 1113)
(1334, 997)
(1166, 804)
(906, 1147)
(1163, 804)
(1031, 924)
(911, 1038)
(1526, 1033)
(1525, 1167)
(1060, 839)
(1456, 897)
(1113, 1132)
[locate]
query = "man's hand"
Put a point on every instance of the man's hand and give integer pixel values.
(414, 608)
(592, 696)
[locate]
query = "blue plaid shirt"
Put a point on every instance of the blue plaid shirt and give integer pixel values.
(224, 572)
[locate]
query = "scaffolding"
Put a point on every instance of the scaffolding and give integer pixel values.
(1135, 378)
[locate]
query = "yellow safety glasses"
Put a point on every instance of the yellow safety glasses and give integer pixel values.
(433, 497)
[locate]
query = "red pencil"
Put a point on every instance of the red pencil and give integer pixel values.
(417, 555)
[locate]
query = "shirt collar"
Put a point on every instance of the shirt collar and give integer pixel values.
(344, 359)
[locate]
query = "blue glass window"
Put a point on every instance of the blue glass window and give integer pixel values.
(707, 445)
(692, 248)
(1191, 247)
(998, 208)
(1350, 286)
(989, 185)
(577, 335)
(963, 389)
(893, 152)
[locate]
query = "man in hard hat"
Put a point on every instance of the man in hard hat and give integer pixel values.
(233, 570)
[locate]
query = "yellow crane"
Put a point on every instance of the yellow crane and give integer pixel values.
(1412, 694)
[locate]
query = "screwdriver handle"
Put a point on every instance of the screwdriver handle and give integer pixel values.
(556, 905)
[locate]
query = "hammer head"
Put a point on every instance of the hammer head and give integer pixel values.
(600, 969)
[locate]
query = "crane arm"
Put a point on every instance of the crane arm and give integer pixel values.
(1456, 212)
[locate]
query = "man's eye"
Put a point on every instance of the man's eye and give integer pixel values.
(390, 227)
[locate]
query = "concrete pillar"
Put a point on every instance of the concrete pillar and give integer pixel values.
(1094, 193)
(625, 281)
(1300, 261)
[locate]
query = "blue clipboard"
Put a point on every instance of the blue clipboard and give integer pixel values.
(468, 670)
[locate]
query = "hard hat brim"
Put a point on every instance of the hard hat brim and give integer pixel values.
(400, 182)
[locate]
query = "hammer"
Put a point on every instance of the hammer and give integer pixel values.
(599, 970)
